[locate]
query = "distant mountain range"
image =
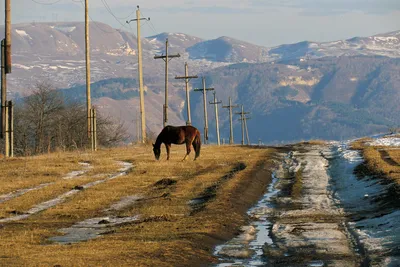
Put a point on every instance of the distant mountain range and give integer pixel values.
(323, 90)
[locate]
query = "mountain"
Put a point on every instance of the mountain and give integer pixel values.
(328, 98)
(387, 44)
(178, 42)
(225, 49)
(303, 90)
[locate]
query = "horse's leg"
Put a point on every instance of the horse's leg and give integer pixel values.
(168, 147)
(188, 149)
(194, 147)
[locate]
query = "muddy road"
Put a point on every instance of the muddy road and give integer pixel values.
(320, 211)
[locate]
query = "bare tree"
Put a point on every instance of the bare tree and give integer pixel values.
(46, 122)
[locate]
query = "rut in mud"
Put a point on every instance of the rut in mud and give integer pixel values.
(318, 212)
(20, 192)
(62, 198)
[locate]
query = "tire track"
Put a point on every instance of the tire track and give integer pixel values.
(386, 157)
(20, 192)
(62, 198)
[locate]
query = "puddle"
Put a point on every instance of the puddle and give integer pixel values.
(94, 227)
(20, 192)
(372, 206)
(62, 198)
(124, 203)
(90, 229)
(75, 174)
(247, 248)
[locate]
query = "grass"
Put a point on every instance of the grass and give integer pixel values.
(168, 234)
(384, 161)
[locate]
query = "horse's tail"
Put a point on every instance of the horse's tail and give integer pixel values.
(197, 144)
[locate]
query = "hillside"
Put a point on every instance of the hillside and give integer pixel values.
(328, 98)
(323, 90)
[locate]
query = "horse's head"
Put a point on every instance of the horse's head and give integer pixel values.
(157, 152)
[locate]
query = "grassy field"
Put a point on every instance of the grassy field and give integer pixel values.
(170, 232)
(379, 159)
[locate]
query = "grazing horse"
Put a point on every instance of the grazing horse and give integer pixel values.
(188, 135)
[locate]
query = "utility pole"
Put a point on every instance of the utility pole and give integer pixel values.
(10, 130)
(187, 79)
(215, 103)
(8, 35)
(166, 58)
(247, 130)
(230, 119)
(204, 91)
(141, 91)
(3, 89)
(87, 58)
(242, 118)
(6, 123)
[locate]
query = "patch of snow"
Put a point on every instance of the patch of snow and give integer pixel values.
(23, 34)
(20, 66)
(389, 39)
(75, 174)
(389, 141)
(64, 29)
(63, 197)
(20, 192)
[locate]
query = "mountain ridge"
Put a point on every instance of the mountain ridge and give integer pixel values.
(308, 80)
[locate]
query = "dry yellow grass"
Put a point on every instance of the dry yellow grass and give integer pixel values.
(384, 161)
(359, 144)
(168, 234)
(314, 142)
(380, 159)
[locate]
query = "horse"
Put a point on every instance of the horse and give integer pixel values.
(178, 135)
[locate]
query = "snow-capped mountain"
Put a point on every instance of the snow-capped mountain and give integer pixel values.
(226, 49)
(178, 42)
(55, 52)
(387, 44)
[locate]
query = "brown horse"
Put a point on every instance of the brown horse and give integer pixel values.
(178, 135)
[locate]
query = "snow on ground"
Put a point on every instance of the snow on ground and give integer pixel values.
(388, 141)
(23, 34)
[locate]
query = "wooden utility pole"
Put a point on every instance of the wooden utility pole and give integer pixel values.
(215, 103)
(93, 129)
(3, 89)
(204, 91)
(141, 91)
(8, 35)
(87, 59)
(246, 129)
(9, 130)
(230, 120)
(166, 58)
(187, 79)
(242, 118)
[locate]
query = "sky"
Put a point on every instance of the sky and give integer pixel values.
(263, 22)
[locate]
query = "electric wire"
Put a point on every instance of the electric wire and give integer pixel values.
(48, 4)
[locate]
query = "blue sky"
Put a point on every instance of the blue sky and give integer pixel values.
(263, 22)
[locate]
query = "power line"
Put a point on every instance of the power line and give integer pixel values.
(151, 25)
(48, 4)
(94, 22)
(112, 14)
